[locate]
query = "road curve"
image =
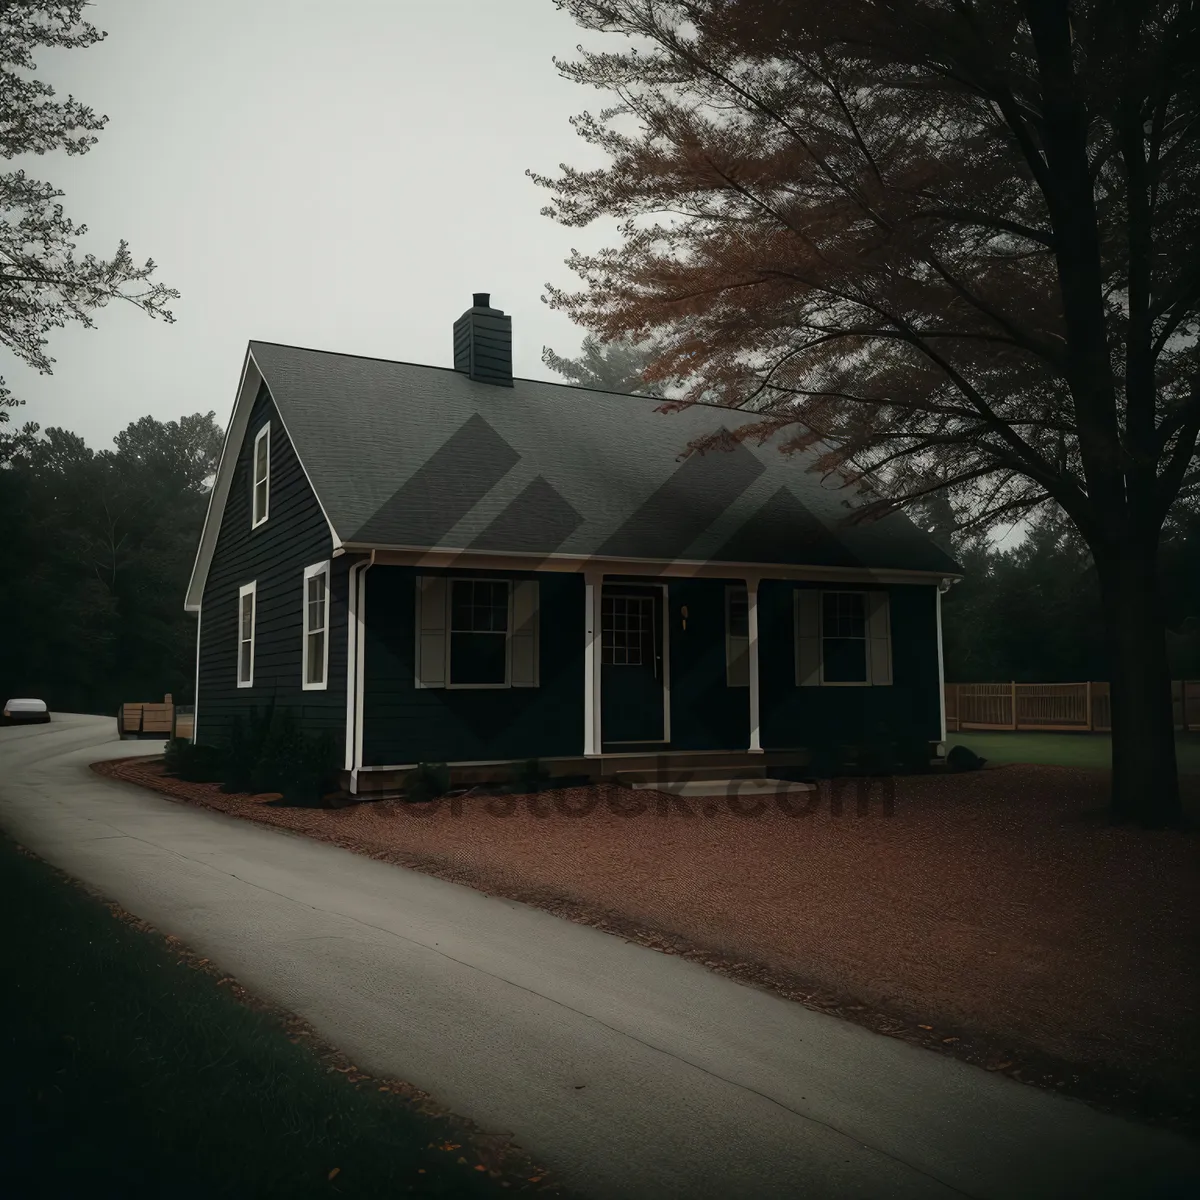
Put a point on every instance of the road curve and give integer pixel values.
(631, 1073)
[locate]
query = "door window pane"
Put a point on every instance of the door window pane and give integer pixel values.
(627, 634)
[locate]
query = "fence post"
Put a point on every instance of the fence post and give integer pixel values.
(1088, 685)
(1014, 705)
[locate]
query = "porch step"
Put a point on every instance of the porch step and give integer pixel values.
(682, 773)
(726, 786)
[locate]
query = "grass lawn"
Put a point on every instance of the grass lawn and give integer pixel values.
(1063, 749)
(130, 1072)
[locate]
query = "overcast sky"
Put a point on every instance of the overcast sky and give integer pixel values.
(342, 177)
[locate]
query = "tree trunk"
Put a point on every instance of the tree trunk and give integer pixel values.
(1145, 780)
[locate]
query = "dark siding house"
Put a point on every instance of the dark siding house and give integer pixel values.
(271, 555)
(453, 565)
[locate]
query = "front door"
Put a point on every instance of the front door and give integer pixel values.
(632, 685)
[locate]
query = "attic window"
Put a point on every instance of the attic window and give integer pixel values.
(262, 476)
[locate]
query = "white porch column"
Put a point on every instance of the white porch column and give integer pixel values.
(752, 630)
(592, 587)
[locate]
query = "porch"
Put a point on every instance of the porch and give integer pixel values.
(690, 670)
(630, 769)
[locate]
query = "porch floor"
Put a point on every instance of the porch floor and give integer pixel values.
(661, 765)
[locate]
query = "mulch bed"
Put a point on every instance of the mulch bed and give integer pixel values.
(993, 916)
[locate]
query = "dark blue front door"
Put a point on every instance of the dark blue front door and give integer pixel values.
(632, 711)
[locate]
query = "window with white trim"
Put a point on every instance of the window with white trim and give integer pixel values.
(480, 611)
(315, 654)
(476, 632)
(247, 603)
(843, 638)
(261, 488)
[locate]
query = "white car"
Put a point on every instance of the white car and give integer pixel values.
(26, 712)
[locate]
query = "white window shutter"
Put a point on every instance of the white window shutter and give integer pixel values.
(737, 648)
(737, 666)
(880, 637)
(808, 636)
(431, 631)
(524, 641)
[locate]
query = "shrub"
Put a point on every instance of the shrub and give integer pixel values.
(269, 752)
(427, 781)
(529, 776)
(960, 758)
(247, 741)
(192, 762)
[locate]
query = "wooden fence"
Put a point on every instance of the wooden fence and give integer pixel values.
(163, 720)
(1050, 706)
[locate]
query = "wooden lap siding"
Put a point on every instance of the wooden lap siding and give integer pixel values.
(294, 536)
(405, 724)
(820, 717)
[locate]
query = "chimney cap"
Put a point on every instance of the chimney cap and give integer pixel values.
(482, 299)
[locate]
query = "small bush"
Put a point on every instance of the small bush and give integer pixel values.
(192, 762)
(247, 741)
(269, 752)
(427, 781)
(960, 758)
(527, 777)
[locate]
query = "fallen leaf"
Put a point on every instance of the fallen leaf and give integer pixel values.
(924, 1026)
(1000, 1066)
(334, 1172)
(947, 1041)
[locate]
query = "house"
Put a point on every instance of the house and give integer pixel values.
(452, 565)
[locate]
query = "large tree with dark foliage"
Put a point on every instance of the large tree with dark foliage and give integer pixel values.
(99, 548)
(954, 243)
(607, 366)
(43, 285)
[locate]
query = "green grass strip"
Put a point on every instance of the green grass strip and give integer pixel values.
(1063, 749)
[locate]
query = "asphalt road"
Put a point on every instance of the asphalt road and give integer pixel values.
(632, 1073)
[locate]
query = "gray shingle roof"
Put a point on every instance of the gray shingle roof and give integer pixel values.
(408, 455)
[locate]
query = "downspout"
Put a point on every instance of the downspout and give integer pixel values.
(354, 669)
(196, 693)
(944, 585)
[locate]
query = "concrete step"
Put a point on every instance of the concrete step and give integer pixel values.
(725, 787)
(683, 773)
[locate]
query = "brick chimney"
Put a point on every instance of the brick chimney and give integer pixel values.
(483, 343)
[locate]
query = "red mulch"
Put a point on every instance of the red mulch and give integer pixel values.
(994, 916)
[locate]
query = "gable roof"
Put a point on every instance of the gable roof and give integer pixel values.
(405, 456)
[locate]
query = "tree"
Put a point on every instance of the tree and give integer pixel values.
(43, 285)
(101, 546)
(1030, 613)
(950, 244)
(607, 366)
